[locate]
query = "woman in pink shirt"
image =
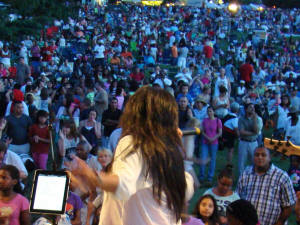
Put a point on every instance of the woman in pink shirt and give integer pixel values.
(211, 130)
(13, 206)
(3, 70)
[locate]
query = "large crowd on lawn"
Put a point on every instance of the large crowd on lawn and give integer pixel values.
(234, 76)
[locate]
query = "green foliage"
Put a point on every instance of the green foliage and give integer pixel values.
(35, 14)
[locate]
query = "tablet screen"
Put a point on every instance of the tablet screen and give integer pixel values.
(49, 193)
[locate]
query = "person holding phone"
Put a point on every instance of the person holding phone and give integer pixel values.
(146, 182)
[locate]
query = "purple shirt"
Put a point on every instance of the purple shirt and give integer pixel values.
(74, 203)
(193, 221)
(211, 129)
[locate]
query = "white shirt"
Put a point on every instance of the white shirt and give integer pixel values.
(24, 52)
(62, 42)
(293, 131)
(219, 82)
(14, 159)
(133, 202)
(99, 51)
(282, 117)
(232, 123)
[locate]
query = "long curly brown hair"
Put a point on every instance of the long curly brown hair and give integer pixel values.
(151, 118)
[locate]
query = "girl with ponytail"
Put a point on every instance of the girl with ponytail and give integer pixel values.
(223, 193)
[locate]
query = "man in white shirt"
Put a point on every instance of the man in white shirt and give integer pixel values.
(8, 157)
(99, 53)
(295, 100)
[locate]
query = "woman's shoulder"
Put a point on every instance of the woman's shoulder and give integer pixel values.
(124, 144)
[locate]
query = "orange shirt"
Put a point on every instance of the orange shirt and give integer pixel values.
(174, 52)
(115, 61)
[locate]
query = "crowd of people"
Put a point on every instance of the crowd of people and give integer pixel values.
(89, 79)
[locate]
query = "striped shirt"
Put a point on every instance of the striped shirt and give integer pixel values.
(268, 192)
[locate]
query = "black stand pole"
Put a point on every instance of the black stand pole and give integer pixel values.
(54, 165)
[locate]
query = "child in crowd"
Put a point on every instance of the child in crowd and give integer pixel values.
(73, 206)
(242, 212)
(104, 157)
(40, 139)
(223, 193)
(13, 206)
(294, 172)
(207, 210)
(190, 220)
(94, 204)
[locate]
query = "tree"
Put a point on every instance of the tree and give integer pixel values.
(35, 14)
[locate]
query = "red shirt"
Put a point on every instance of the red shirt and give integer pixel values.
(137, 76)
(208, 51)
(12, 71)
(246, 71)
(47, 53)
(40, 147)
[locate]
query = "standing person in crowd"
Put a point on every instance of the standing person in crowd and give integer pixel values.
(248, 130)
(185, 113)
(14, 207)
(174, 52)
(295, 100)
(40, 140)
(17, 128)
(101, 100)
(246, 71)
(206, 94)
(110, 120)
(221, 103)
(268, 188)
(99, 50)
(208, 52)
(282, 116)
(23, 71)
(223, 193)
(230, 129)
(139, 176)
(5, 56)
(292, 126)
(182, 54)
(211, 131)
(222, 80)
(200, 108)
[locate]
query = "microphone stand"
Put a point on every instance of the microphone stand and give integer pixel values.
(54, 165)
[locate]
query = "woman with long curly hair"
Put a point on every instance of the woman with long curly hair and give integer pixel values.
(146, 183)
